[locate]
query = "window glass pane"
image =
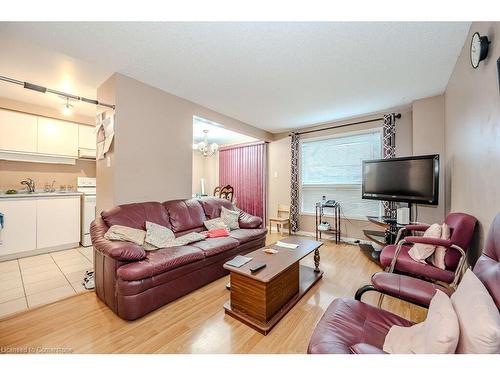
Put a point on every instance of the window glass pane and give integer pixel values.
(338, 160)
(333, 166)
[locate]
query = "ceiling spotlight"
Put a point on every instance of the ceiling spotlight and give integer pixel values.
(67, 109)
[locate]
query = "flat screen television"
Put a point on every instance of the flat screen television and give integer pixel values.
(412, 179)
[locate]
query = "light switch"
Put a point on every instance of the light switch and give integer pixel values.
(108, 161)
(275, 174)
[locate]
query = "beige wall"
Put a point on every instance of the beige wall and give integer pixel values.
(428, 138)
(152, 154)
(472, 133)
(279, 169)
(12, 172)
(207, 168)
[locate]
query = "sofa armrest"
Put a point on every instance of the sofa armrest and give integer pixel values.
(410, 289)
(363, 348)
(428, 241)
(118, 250)
(247, 221)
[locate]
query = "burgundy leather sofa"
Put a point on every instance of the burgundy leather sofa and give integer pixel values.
(133, 282)
(350, 326)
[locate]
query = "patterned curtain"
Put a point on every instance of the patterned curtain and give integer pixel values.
(244, 168)
(294, 191)
(389, 151)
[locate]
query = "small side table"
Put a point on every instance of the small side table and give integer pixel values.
(335, 220)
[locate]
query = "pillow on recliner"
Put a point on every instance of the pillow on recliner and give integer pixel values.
(478, 317)
(419, 251)
(438, 334)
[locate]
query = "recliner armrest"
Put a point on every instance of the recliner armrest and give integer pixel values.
(410, 289)
(417, 227)
(118, 250)
(428, 241)
(363, 348)
(247, 221)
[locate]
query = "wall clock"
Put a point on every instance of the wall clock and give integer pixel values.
(478, 49)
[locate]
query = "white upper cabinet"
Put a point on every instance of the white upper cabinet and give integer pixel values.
(86, 137)
(18, 131)
(57, 137)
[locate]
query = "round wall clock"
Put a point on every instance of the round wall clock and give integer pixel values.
(478, 49)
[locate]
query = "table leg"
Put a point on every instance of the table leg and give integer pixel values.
(316, 260)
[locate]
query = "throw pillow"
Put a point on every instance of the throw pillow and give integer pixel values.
(438, 334)
(123, 233)
(158, 235)
(478, 317)
(440, 252)
(420, 252)
(216, 223)
(218, 232)
(188, 238)
(230, 218)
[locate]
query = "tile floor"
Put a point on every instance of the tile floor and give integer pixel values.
(29, 282)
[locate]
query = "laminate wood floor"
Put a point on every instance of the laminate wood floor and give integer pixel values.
(196, 323)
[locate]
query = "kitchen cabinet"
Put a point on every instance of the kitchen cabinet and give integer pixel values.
(19, 231)
(86, 137)
(18, 131)
(86, 142)
(57, 221)
(57, 137)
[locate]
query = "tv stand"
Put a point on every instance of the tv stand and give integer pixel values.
(384, 237)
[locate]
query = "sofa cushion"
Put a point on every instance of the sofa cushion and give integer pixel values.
(135, 215)
(347, 322)
(185, 215)
(248, 221)
(214, 246)
(407, 265)
(159, 261)
(246, 235)
(230, 218)
(212, 206)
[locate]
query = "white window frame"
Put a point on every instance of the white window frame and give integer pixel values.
(355, 186)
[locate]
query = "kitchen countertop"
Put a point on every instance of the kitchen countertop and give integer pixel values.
(40, 194)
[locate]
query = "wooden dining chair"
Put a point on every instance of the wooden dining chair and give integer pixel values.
(225, 192)
(282, 218)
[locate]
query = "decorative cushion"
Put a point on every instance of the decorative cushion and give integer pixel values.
(188, 238)
(438, 334)
(218, 232)
(123, 233)
(158, 235)
(420, 252)
(437, 258)
(478, 317)
(230, 218)
(216, 223)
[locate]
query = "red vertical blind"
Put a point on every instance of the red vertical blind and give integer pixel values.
(244, 168)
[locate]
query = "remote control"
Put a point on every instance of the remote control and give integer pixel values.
(257, 267)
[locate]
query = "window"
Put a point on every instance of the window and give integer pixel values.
(332, 167)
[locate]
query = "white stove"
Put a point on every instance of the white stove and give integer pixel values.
(87, 186)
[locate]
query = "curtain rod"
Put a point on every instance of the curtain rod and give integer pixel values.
(43, 90)
(397, 115)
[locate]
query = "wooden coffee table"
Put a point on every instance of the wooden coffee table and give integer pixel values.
(262, 298)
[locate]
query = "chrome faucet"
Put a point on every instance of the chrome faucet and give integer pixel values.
(30, 184)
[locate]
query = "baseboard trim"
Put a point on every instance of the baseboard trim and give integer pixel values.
(45, 250)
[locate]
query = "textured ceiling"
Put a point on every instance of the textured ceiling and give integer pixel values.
(275, 76)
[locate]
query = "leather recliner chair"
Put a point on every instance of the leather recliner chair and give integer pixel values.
(350, 326)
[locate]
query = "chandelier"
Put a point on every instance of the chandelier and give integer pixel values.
(205, 148)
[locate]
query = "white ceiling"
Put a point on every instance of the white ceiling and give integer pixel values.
(275, 76)
(217, 134)
(29, 62)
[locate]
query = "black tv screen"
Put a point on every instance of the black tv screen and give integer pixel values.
(411, 179)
